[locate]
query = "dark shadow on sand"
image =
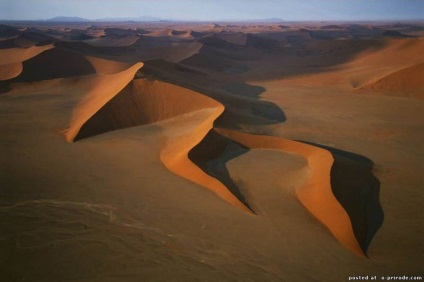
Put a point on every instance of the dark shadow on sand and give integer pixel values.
(212, 154)
(4, 87)
(358, 191)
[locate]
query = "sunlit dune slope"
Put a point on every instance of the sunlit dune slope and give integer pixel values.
(407, 82)
(100, 91)
(315, 194)
(144, 102)
(102, 66)
(389, 67)
(9, 71)
(55, 63)
(11, 59)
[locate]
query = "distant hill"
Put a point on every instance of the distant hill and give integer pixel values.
(68, 19)
(270, 20)
(152, 19)
(130, 19)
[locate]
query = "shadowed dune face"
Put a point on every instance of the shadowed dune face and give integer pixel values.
(316, 194)
(358, 191)
(142, 102)
(407, 82)
(55, 63)
(199, 161)
(243, 106)
(7, 31)
(212, 154)
(95, 94)
(147, 102)
(11, 59)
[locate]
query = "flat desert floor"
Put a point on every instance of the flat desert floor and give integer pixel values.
(211, 152)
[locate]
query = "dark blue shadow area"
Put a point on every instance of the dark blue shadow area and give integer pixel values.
(212, 154)
(358, 191)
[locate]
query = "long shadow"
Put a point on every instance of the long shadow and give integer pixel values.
(244, 107)
(242, 103)
(212, 154)
(358, 191)
(4, 87)
(54, 63)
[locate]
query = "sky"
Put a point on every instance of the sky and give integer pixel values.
(209, 10)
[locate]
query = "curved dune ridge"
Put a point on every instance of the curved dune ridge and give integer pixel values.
(10, 71)
(146, 101)
(408, 81)
(372, 65)
(55, 63)
(113, 41)
(316, 194)
(112, 99)
(11, 59)
(102, 66)
(98, 95)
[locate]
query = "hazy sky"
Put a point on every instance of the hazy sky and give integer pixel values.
(216, 9)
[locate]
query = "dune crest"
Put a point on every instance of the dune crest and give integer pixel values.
(103, 66)
(144, 102)
(98, 95)
(408, 81)
(10, 71)
(14, 55)
(11, 59)
(315, 194)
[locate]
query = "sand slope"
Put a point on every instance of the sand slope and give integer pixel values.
(406, 82)
(210, 152)
(11, 59)
(315, 194)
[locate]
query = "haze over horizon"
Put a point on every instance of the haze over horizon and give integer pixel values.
(354, 10)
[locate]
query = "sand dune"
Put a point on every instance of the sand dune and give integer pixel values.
(374, 65)
(14, 55)
(9, 71)
(72, 64)
(99, 94)
(407, 82)
(20, 41)
(11, 59)
(7, 31)
(238, 38)
(315, 194)
(165, 151)
(102, 66)
(113, 41)
(145, 102)
(369, 65)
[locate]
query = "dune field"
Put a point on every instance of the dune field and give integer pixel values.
(211, 151)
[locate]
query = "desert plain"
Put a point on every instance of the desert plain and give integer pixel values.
(211, 151)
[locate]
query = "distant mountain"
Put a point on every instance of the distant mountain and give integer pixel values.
(68, 19)
(271, 20)
(154, 19)
(130, 19)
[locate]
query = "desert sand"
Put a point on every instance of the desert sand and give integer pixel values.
(211, 151)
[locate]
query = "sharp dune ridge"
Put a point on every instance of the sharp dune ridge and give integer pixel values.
(315, 194)
(407, 80)
(11, 60)
(155, 101)
(108, 87)
(145, 102)
(173, 145)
